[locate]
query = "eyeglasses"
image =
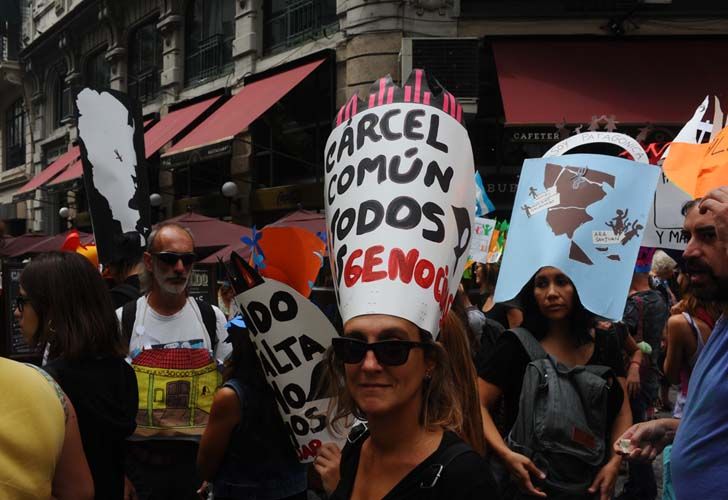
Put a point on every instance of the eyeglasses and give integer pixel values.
(388, 352)
(20, 301)
(171, 258)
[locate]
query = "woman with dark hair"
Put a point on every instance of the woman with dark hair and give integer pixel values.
(245, 450)
(74, 317)
(393, 375)
(566, 333)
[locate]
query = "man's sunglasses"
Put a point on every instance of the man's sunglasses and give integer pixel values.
(20, 302)
(171, 258)
(387, 352)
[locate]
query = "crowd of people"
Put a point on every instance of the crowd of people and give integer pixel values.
(146, 393)
(448, 417)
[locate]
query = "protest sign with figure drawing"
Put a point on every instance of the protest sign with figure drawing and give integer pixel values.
(590, 229)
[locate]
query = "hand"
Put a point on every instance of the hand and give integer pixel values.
(606, 479)
(647, 439)
(521, 468)
(633, 380)
(717, 203)
(204, 490)
(326, 464)
(129, 491)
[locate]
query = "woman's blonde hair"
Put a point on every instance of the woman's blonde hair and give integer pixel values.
(453, 338)
(440, 408)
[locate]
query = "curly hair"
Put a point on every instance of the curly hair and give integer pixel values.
(441, 407)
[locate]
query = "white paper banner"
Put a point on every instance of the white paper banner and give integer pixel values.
(399, 208)
(291, 335)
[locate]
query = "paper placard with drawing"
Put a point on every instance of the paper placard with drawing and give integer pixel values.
(585, 215)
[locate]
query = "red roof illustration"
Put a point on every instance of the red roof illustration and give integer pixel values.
(176, 359)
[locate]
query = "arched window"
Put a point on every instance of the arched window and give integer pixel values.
(145, 62)
(61, 99)
(97, 70)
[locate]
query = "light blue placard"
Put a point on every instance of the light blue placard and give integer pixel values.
(566, 216)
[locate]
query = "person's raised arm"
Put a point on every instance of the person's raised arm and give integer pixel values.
(72, 479)
(520, 466)
(224, 416)
(635, 362)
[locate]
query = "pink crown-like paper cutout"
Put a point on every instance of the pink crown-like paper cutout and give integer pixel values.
(418, 89)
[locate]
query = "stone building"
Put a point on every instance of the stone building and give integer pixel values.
(244, 91)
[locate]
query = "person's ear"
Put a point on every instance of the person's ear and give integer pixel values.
(148, 261)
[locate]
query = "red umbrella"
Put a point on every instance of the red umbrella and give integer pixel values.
(209, 232)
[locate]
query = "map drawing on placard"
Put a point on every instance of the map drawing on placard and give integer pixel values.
(568, 192)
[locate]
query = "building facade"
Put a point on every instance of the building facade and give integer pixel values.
(243, 91)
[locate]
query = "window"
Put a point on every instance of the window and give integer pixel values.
(145, 62)
(97, 71)
(14, 135)
(209, 37)
(61, 100)
(290, 22)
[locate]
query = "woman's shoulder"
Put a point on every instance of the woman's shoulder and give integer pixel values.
(464, 474)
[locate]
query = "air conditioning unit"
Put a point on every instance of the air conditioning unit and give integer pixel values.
(453, 61)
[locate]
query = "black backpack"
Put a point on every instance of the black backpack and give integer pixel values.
(128, 315)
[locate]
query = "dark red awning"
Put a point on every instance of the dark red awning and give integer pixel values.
(49, 173)
(242, 109)
(638, 80)
(172, 124)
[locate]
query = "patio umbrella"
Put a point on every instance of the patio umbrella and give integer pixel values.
(33, 243)
(210, 233)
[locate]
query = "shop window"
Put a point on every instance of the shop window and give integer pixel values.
(290, 22)
(97, 70)
(14, 135)
(289, 138)
(209, 34)
(145, 62)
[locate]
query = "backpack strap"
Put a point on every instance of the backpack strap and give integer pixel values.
(432, 474)
(209, 320)
(128, 315)
(530, 344)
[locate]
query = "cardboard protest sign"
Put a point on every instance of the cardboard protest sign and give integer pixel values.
(482, 234)
(399, 201)
(698, 168)
(111, 135)
(585, 215)
(291, 336)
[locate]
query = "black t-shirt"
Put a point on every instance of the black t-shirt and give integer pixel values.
(507, 363)
(105, 396)
(466, 477)
(126, 292)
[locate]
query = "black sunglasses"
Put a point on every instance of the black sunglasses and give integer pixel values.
(171, 258)
(20, 302)
(387, 352)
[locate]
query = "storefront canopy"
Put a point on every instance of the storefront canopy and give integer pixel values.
(47, 174)
(638, 81)
(210, 233)
(305, 219)
(162, 132)
(33, 243)
(213, 136)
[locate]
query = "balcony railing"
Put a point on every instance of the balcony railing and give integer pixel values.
(210, 58)
(301, 20)
(145, 85)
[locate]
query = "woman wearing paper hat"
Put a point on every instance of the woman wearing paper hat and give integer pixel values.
(570, 256)
(399, 205)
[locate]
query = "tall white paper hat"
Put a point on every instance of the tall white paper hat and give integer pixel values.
(400, 201)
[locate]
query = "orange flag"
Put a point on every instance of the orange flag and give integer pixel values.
(698, 168)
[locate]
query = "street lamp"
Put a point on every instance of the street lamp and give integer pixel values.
(64, 212)
(229, 189)
(155, 199)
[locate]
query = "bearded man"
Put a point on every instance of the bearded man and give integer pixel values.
(699, 468)
(172, 338)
